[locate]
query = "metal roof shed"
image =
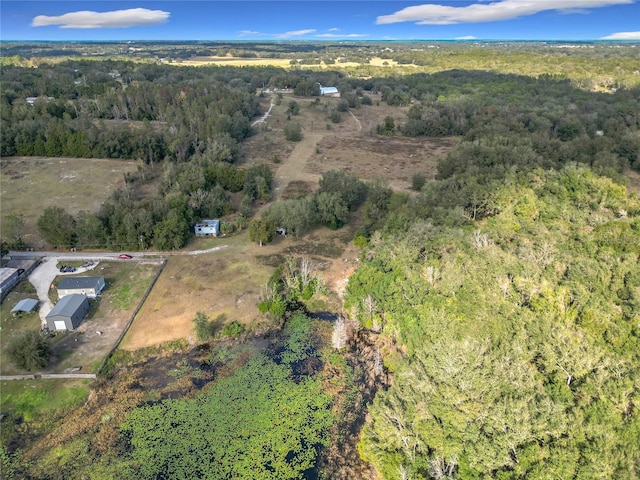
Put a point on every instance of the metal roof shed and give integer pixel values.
(329, 91)
(26, 305)
(68, 313)
(207, 228)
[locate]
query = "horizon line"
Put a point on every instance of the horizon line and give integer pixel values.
(336, 40)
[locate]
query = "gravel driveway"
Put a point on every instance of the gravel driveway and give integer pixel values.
(42, 278)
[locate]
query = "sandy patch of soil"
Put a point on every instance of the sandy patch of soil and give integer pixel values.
(394, 159)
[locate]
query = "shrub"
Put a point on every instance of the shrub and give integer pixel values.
(418, 180)
(226, 228)
(232, 329)
(335, 116)
(293, 132)
(203, 327)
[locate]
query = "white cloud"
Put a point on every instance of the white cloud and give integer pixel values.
(246, 33)
(623, 36)
(338, 35)
(133, 17)
(295, 33)
(466, 37)
(431, 14)
(334, 29)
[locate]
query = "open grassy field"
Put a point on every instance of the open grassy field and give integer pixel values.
(28, 185)
(224, 284)
(351, 144)
(30, 398)
(278, 62)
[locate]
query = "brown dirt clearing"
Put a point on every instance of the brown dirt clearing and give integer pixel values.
(226, 285)
(351, 144)
(393, 159)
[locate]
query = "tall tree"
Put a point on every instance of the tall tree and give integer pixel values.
(57, 227)
(262, 230)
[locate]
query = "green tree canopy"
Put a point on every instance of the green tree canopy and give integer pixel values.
(332, 210)
(293, 131)
(171, 233)
(346, 185)
(29, 350)
(262, 230)
(57, 227)
(515, 338)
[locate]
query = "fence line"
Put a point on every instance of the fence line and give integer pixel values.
(133, 316)
(37, 376)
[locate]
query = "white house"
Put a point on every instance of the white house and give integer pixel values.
(89, 286)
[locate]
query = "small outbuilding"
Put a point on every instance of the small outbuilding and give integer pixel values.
(68, 313)
(89, 286)
(26, 305)
(207, 228)
(329, 91)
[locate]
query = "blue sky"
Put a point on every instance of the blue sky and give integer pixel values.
(320, 20)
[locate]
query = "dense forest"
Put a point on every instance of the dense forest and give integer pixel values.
(503, 296)
(514, 341)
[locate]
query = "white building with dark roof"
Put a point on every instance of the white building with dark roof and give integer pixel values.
(89, 286)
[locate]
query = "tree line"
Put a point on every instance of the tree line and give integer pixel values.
(188, 192)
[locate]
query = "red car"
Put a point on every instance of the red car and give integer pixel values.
(124, 256)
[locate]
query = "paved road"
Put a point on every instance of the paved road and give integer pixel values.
(97, 256)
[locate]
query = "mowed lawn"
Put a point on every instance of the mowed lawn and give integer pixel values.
(28, 185)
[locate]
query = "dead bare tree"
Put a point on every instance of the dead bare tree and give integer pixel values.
(480, 240)
(340, 335)
(267, 293)
(378, 367)
(440, 468)
(306, 271)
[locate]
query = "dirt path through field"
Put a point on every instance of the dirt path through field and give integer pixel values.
(294, 168)
(357, 121)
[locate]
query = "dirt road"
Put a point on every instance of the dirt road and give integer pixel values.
(294, 168)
